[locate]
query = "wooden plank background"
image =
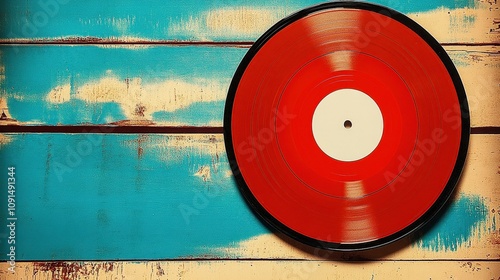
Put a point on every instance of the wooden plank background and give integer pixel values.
(143, 204)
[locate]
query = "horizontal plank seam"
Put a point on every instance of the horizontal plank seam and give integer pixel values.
(109, 129)
(98, 41)
(264, 260)
(85, 41)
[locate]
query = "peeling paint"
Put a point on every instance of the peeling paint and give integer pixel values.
(6, 118)
(204, 173)
(91, 18)
(59, 94)
(71, 270)
(90, 85)
(109, 202)
(140, 100)
(5, 139)
(459, 25)
(190, 148)
(2, 73)
(242, 21)
(494, 237)
(463, 223)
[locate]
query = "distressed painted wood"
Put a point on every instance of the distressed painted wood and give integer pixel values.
(109, 197)
(104, 84)
(462, 21)
(285, 269)
(136, 190)
(173, 86)
(130, 189)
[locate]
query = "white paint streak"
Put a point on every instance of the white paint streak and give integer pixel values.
(203, 153)
(59, 94)
(121, 25)
(5, 139)
(3, 103)
(196, 144)
(4, 109)
(229, 22)
(126, 46)
(228, 173)
(204, 172)
(139, 100)
(2, 73)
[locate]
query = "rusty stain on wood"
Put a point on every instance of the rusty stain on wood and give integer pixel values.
(159, 270)
(124, 42)
(495, 237)
(63, 270)
(289, 269)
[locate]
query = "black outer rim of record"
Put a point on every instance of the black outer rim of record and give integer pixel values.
(454, 177)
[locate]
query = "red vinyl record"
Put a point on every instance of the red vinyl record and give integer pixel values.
(346, 126)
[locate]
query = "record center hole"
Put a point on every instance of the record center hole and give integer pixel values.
(347, 124)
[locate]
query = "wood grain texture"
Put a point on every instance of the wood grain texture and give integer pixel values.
(168, 86)
(51, 49)
(284, 269)
(177, 192)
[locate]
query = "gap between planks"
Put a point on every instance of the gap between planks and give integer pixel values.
(112, 41)
(107, 129)
(342, 259)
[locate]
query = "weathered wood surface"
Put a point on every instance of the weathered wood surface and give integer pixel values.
(283, 269)
(107, 197)
(129, 189)
(458, 21)
(168, 86)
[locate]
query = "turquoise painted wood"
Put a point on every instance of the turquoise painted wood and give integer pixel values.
(109, 197)
(90, 84)
(163, 85)
(162, 20)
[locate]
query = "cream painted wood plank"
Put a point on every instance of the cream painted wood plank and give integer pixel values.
(478, 24)
(479, 69)
(251, 270)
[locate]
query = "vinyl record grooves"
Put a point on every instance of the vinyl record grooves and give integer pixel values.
(346, 126)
